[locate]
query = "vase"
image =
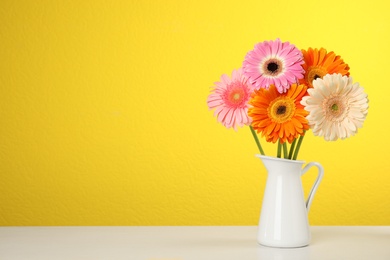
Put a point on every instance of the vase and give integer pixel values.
(284, 212)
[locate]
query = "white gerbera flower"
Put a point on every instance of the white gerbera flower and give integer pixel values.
(337, 107)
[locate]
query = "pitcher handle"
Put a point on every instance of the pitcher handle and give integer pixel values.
(316, 183)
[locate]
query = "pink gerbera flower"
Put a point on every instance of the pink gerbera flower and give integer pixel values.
(230, 99)
(274, 63)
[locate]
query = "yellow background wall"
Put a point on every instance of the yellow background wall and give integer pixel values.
(103, 116)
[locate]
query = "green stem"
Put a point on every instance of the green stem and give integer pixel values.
(290, 154)
(257, 140)
(298, 146)
(279, 152)
(285, 150)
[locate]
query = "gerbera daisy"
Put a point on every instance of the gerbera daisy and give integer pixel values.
(274, 63)
(318, 63)
(337, 107)
(279, 116)
(230, 99)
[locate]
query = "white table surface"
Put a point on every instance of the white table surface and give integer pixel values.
(187, 243)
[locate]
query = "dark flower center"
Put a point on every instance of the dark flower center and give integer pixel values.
(313, 73)
(281, 110)
(272, 67)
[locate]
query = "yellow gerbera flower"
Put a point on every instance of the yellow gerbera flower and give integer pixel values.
(318, 63)
(279, 116)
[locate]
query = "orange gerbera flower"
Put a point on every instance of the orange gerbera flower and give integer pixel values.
(279, 116)
(318, 63)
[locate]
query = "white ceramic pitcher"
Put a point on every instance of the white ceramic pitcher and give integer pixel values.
(283, 219)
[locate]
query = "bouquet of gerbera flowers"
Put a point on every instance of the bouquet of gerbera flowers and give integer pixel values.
(281, 92)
